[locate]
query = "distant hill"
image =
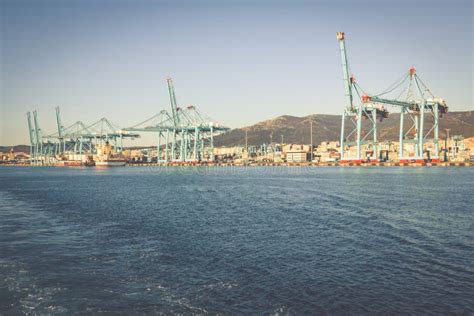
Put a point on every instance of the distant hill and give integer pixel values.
(16, 148)
(26, 148)
(327, 128)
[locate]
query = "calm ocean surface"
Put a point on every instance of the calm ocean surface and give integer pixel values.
(237, 240)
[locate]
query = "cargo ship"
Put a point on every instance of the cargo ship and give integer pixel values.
(74, 161)
(68, 163)
(111, 162)
(107, 157)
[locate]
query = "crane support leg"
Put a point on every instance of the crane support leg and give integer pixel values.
(342, 134)
(167, 153)
(158, 148)
(196, 137)
(359, 130)
(402, 134)
(436, 133)
(374, 118)
(421, 133)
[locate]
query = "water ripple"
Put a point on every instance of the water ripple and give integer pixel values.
(277, 241)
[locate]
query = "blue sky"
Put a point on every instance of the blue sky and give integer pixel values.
(240, 62)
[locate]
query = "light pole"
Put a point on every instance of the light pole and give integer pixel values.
(246, 141)
(281, 148)
(271, 147)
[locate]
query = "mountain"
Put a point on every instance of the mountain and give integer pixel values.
(296, 130)
(327, 128)
(16, 148)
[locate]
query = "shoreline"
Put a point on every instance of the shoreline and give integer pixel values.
(190, 164)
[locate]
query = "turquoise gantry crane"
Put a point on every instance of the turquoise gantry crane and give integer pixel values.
(418, 104)
(355, 112)
(414, 99)
(75, 139)
(186, 135)
(42, 150)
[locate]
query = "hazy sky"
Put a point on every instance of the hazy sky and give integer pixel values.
(238, 61)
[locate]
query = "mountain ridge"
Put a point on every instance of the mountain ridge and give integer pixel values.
(326, 127)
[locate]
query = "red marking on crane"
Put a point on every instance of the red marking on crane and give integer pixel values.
(412, 70)
(365, 98)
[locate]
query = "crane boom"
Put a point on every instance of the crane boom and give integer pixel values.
(31, 130)
(59, 123)
(174, 105)
(37, 128)
(410, 105)
(345, 70)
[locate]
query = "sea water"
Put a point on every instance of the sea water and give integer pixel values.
(251, 240)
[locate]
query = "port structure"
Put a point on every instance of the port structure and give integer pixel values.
(76, 139)
(184, 135)
(418, 105)
(415, 101)
(42, 149)
(355, 110)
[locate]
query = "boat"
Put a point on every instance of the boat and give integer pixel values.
(68, 163)
(111, 162)
(107, 157)
(73, 163)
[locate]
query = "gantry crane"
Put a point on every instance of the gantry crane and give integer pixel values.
(417, 102)
(42, 150)
(414, 100)
(355, 112)
(76, 139)
(184, 135)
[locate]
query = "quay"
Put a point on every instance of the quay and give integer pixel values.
(269, 164)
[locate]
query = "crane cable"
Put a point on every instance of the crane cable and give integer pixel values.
(424, 85)
(394, 86)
